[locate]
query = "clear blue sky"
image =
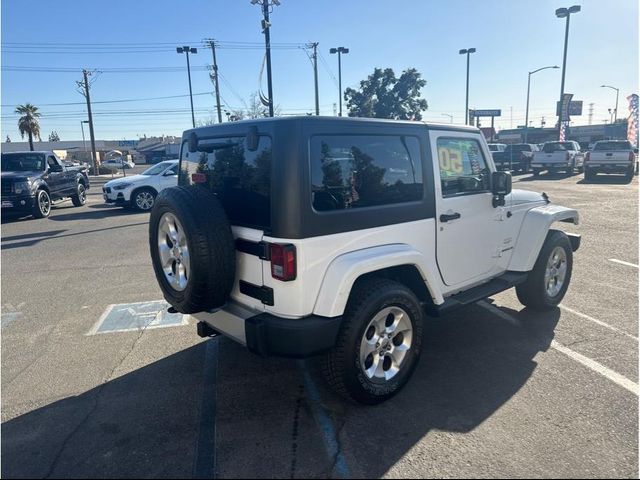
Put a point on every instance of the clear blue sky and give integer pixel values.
(511, 38)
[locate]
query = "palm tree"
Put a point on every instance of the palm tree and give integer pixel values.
(28, 123)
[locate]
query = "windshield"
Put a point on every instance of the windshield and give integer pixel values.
(22, 162)
(612, 146)
(557, 147)
(157, 169)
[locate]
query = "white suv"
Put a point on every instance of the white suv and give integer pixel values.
(340, 236)
(140, 191)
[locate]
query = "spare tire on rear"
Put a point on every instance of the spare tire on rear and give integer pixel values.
(192, 249)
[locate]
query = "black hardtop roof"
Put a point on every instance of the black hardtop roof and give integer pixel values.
(222, 128)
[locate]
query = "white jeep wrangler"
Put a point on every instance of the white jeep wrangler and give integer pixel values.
(340, 236)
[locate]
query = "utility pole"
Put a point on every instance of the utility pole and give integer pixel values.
(267, 43)
(315, 75)
(84, 85)
(591, 113)
(186, 50)
(214, 76)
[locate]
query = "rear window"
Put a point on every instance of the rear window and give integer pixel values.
(557, 147)
(239, 177)
(612, 146)
(354, 171)
(518, 148)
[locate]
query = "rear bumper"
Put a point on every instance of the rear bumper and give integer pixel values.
(618, 167)
(270, 335)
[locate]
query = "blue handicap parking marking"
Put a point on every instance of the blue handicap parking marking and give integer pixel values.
(127, 317)
(7, 318)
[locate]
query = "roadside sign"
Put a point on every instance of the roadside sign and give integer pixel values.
(486, 113)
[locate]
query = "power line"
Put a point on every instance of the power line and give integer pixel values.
(125, 100)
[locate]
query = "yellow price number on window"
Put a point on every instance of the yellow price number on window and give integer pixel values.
(450, 160)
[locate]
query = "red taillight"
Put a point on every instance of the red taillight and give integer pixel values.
(198, 178)
(587, 157)
(283, 261)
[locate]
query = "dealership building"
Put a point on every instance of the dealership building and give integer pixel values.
(585, 134)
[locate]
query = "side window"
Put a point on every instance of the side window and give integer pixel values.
(51, 161)
(463, 168)
(173, 170)
(354, 171)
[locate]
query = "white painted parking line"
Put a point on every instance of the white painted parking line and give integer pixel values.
(600, 369)
(599, 322)
(615, 377)
(621, 262)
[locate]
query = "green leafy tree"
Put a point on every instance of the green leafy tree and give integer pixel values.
(383, 95)
(28, 122)
(54, 137)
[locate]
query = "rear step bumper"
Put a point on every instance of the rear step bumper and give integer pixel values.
(303, 337)
(269, 335)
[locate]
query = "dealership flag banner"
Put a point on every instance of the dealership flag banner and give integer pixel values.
(563, 129)
(632, 128)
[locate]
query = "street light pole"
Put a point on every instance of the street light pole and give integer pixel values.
(526, 123)
(564, 13)
(339, 51)
(450, 117)
(466, 52)
(186, 49)
(615, 119)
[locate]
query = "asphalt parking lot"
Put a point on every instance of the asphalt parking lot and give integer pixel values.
(500, 391)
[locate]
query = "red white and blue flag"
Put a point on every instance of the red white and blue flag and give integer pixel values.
(563, 130)
(632, 123)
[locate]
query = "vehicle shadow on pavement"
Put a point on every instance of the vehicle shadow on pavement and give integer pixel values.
(472, 363)
(276, 417)
(548, 176)
(606, 180)
(141, 425)
(28, 240)
(96, 214)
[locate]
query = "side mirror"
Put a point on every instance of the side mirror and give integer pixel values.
(500, 187)
(193, 142)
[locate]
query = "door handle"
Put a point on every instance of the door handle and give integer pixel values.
(445, 217)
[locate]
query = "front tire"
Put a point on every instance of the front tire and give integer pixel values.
(80, 198)
(379, 342)
(42, 204)
(143, 199)
(548, 281)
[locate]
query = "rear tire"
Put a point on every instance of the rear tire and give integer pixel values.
(384, 318)
(630, 173)
(204, 279)
(536, 172)
(80, 198)
(589, 174)
(548, 281)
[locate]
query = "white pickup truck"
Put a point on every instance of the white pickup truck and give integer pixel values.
(610, 156)
(556, 156)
